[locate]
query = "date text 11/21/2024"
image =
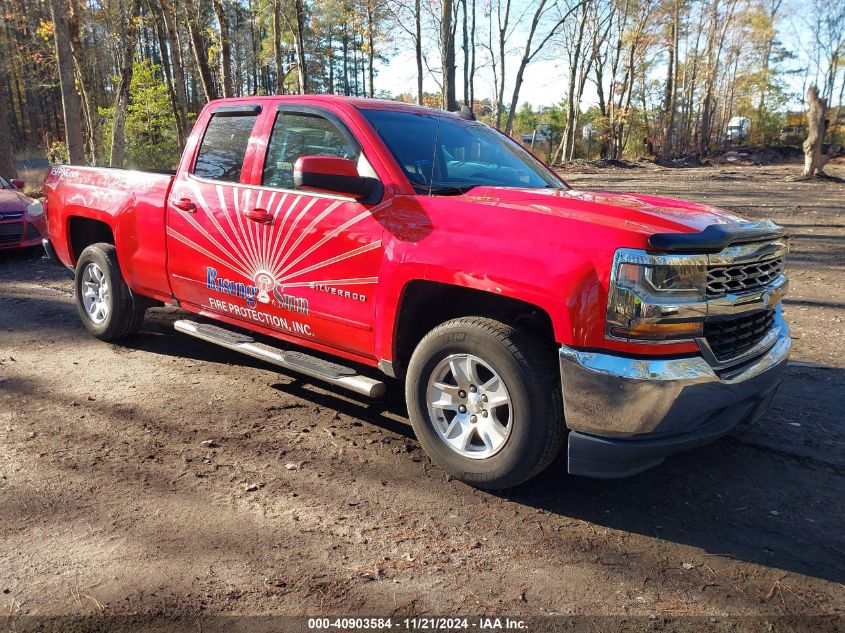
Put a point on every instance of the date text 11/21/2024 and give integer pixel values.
(418, 624)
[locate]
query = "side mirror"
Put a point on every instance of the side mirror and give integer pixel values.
(17, 183)
(330, 174)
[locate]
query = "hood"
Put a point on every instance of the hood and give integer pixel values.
(636, 212)
(13, 201)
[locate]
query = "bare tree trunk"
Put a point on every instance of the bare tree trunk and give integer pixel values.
(363, 68)
(840, 112)
(418, 50)
(773, 8)
(179, 113)
(503, 33)
(253, 41)
(225, 50)
(330, 60)
(728, 100)
(370, 48)
(598, 61)
(465, 49)
(121, 102)
(531, 51)
(89, 107)
(613, 110)
(628, 91)
(571, 107)
(200, 56)
(624, 132)
(354, 87)
(814, 160)
(472, 60)
(299, 43)
(683, 143)
(494, 67)
(277, 46)
(447, 53)
(7, 163)
(715, 42)
(669, 99)
(345, 42)
(523, 64)
(706, 119)
(180, 105)
(583, 72)
(71, 106)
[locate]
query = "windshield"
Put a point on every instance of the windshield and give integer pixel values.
(445, 154)
(5, 184)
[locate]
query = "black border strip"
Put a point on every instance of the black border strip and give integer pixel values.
(716, 237)
(236, 110)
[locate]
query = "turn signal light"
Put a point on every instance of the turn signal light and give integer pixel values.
(658, 331)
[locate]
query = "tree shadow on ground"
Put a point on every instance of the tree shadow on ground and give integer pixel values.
(741, 498)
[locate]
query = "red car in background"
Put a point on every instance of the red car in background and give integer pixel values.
(22, 221)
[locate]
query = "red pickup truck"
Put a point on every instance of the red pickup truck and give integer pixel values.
(520, 314)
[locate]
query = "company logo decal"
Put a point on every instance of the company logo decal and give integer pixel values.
(252, 294)
(229, 287)
(266, 284)
(269, 262)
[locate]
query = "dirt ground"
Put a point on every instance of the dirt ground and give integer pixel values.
(164, 477)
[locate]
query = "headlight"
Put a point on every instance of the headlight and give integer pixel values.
(656, 297)
(35, 210)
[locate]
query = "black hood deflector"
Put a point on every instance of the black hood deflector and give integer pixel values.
(716, 237)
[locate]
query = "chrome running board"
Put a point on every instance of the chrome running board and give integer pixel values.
(312, 366)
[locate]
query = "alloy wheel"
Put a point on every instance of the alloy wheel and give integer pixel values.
(470, 406)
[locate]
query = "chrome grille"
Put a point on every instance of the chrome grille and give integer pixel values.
(733, 278)
(732, 337)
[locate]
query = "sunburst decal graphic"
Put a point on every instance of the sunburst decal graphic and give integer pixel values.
(274, 255)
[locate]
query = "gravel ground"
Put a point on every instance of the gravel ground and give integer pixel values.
(165, 477)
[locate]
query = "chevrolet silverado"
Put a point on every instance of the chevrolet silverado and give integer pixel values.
(352, 240)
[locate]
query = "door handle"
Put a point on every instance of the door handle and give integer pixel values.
(185, 204)
(262, 216)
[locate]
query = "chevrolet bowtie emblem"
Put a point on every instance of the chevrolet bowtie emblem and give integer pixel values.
(770, 298)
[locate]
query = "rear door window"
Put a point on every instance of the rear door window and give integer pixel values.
(298, 134)
(221, 154)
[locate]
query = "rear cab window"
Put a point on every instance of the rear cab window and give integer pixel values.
(224, 145)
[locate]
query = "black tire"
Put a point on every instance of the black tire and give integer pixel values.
(529, 371)
(122, 318)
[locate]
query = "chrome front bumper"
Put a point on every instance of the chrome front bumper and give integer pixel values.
(626, 413)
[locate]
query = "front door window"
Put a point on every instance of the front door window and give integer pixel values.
(296, 135)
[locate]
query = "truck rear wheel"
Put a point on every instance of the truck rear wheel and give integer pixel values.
(484, 400)
(103, 299)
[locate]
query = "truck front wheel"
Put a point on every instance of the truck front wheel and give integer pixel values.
(103, 299)
(484, 400)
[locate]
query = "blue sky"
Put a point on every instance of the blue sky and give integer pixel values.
(545, 79)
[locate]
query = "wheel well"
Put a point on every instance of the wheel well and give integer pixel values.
(425, 305)
(84, 231)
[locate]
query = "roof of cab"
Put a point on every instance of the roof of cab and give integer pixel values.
(360, 103)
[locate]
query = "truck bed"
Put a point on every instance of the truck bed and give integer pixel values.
(131, 203)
